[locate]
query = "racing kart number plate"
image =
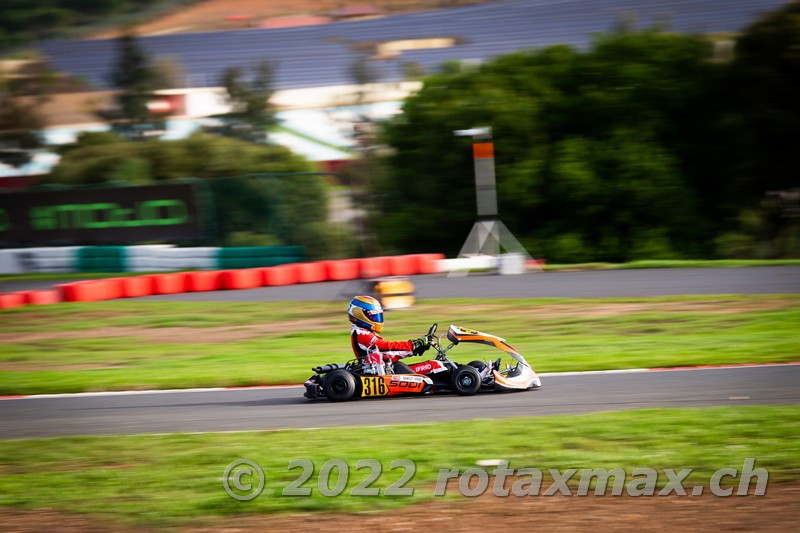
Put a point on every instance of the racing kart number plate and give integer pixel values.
(373, 386)
(391, 385)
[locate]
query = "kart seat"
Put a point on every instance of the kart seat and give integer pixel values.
(402, 368)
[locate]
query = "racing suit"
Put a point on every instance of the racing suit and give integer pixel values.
(373, 351)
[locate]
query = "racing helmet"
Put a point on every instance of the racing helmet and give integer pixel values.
(366, 312)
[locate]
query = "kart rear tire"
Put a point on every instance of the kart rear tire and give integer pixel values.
(478, 365)
(339, 386)
(466, 380)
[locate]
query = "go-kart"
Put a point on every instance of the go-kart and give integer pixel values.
(350, 381)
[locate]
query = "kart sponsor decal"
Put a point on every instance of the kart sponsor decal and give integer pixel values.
(428, 367)
(402, 377)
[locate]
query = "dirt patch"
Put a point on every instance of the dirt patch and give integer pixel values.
(599, 310)
(173, 334)
(720, 307)
(778, 510)
(26, 521)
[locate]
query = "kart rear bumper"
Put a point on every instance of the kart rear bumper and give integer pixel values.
(313, 390)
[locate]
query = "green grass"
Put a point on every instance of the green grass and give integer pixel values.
(165, 480)
(118, 345)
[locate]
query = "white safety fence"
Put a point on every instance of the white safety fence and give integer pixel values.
(158, 258)
(142, 258)
(51, 259)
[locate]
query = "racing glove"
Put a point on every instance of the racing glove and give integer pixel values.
(420, 345)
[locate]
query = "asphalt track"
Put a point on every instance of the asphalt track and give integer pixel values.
(582, 284)
(282, 408)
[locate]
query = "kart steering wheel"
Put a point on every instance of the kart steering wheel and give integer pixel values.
(432, 331)
(434, 340)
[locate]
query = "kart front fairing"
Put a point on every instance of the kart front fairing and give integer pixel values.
(521, 377)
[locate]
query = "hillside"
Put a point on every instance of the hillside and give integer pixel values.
(23, 22)
(225, 15)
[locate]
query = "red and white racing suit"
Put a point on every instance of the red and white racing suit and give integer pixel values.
(373, 350)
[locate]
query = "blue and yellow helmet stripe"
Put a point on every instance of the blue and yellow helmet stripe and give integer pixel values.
(366, 312)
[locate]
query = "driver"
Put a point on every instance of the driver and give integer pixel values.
(371, 349)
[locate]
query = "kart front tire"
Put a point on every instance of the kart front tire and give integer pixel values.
(339, 386)
(466, 380)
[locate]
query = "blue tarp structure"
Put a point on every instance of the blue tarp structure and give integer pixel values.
(323, 55)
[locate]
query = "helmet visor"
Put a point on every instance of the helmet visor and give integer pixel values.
(376, 317)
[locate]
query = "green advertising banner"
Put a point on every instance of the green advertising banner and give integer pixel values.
(112, 215)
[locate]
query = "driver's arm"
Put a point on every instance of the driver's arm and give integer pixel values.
(394, 350)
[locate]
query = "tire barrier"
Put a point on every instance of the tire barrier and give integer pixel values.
(91, 290)
(258, 256)
(403, 265)
(11, 300)
(136, 286)
(375, 267)
(144, 258)
(168, 283)
(50, 259)
(57, 259)
(148, 258)
(248, 278)
(10, 263)
(203, 281)
(388, 274)
(535, 264)
(429, 263)
(279, 275)
(341, 270)
(101, 259)
(44, 297)
(167, 257)
(113, 288)
(77, 292)
(190, 258)
(311, 272)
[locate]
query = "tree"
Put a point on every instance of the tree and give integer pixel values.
(23, 21)
(252, 115)
(20, 119)
(764, 80)
(137, 82)
(594, 150)
(762, 122)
